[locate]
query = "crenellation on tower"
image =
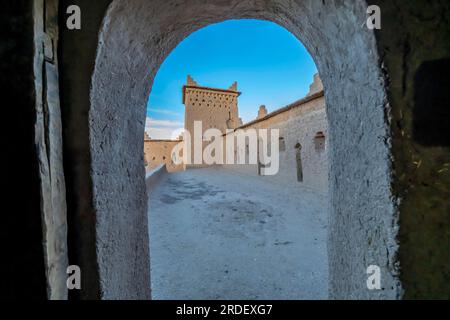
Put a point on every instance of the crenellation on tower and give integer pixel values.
(262, 112)
(316, 86)
(234, 87)
(190, 81)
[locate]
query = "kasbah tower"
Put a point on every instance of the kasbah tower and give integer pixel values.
(215, 108)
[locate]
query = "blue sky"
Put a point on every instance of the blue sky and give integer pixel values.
(270, 65)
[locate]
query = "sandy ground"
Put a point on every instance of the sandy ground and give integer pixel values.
(217, 234)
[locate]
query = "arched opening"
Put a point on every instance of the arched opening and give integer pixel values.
(207, 240)
(136, 38)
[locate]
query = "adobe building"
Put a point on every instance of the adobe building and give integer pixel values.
(212, 107)
(303, 147)
(159, 152)
(215, 108)
(302, 126)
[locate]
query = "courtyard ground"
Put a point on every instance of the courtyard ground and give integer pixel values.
(219, 234)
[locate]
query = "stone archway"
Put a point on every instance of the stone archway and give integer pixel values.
(135, 39)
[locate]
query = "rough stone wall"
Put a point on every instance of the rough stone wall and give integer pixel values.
(414, 43)
(76, 60)
(159, 152)
(298, 124)
(137, 36)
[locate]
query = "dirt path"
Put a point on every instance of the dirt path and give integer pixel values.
(217, 234)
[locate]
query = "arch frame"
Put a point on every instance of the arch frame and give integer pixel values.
(135, 39)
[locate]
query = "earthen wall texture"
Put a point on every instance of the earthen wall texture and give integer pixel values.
(216, 109)
(158, 152)
(298, 125)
